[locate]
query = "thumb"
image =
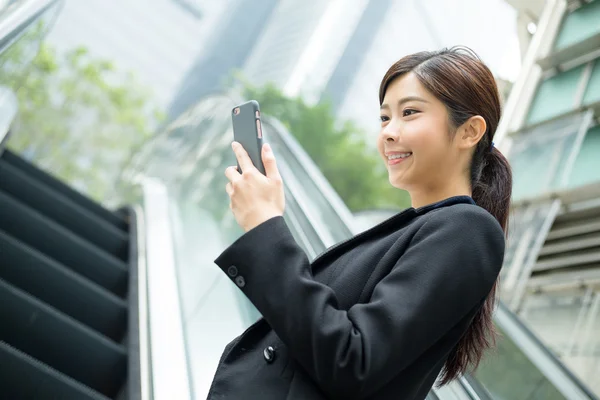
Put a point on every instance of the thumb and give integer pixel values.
(269, 161)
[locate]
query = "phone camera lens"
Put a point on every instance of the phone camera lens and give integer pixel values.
(236, 111)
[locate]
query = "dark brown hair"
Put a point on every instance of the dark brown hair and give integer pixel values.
(460, 80)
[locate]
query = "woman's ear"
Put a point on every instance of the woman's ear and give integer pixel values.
(471, 132)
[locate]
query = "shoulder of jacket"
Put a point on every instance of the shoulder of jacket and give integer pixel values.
(463, 215)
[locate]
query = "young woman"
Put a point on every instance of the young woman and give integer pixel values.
(382, 315)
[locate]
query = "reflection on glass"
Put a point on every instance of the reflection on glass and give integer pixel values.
(579, 25)
(568, 322)
(555, 95)
(592, 91)
(509, 375)
(587, 165)
(17, 55)
(540, 157)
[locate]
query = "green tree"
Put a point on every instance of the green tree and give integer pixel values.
(79, 118)
(353, 167)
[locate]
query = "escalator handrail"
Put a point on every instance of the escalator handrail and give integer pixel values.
(546, 361)
(142, 307)
(15, 22)
(170, 376)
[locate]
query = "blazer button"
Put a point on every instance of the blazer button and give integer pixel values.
(232, 271)
(240, 281)
(269, 354)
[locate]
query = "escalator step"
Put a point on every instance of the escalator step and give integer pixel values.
(23, 377)
(63, 210)
(58, 243)
(61, 342)
(56, 185)
(61, 288)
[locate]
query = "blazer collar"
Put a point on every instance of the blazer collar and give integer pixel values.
(392, 223)
(410, 213)
(444, 203)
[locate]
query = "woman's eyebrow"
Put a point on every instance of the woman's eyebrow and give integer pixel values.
(404, 100)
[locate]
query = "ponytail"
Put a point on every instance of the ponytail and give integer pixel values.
(493, 186)
(491, 178)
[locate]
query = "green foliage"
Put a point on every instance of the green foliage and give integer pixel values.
(79, 118)
(353, 168)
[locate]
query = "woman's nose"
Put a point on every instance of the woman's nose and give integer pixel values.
(390, 133)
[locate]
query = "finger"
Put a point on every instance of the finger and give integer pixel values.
(232, 174)
(242, 157)
(229, 188)
(270, 163)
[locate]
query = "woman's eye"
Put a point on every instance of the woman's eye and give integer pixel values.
(408, 112)
(384, 118)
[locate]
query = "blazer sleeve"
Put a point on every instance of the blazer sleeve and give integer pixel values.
(449, 268)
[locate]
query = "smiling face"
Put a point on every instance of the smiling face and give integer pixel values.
(415, 140)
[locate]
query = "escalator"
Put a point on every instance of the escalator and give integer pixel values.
(69, 326)
(127, 304)
(69, 320)
(520, 368)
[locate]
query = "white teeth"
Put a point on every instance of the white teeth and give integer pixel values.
(396, 156)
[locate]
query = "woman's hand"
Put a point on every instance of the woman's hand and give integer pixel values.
(255, 198)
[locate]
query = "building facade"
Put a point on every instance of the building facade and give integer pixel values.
(551, 134)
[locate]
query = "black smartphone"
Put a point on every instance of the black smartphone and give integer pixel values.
(247, 131)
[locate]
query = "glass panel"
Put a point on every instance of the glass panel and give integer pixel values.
(579, 25)
(15, 60)
(592, 92)
(508, 374)
(555, 96)
(539, 156)
(317, 203)
(204, 226)
(587, 164)
(569, 324)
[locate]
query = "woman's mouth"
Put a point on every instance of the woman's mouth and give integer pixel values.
(397, 158)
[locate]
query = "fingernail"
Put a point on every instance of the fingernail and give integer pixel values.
(233, 144)
(268, 148)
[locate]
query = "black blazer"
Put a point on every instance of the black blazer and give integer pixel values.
(374, 317)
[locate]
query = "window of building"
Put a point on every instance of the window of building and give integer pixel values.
(579, 25)
(587, 164)
(540, 156)
(592, 92)
(555, 95)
